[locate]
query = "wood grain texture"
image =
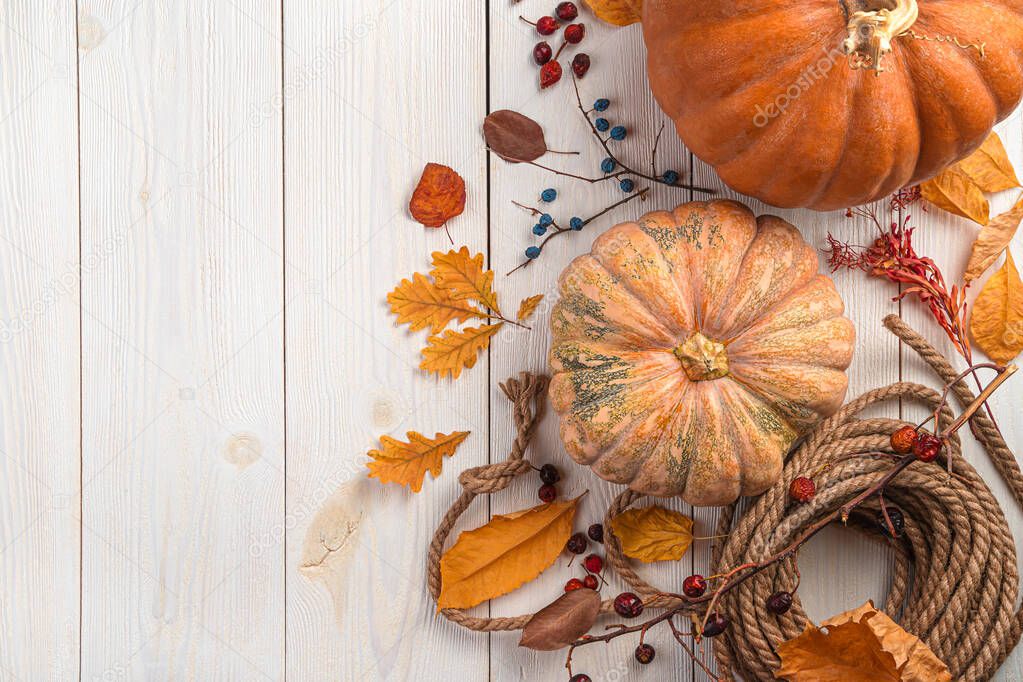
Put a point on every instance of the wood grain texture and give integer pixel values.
(39, 343)
(182, 330)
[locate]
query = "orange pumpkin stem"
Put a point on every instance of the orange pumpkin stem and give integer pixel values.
(701, 358)
(871, 32)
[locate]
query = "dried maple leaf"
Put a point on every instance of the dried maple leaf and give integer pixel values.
(439, 196)
(454, 350)
(993, 239)
(997, 319)
(528, 306)
(653, 533)
(513, 136)
(504, 554)
(464, 277)
(420, 303)
(617, 12)
(954, 191)
(561, 622)
(407, 463)
(989, 167)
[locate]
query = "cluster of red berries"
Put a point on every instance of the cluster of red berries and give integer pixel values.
(544, 55)
(593, 563)
(549, 475)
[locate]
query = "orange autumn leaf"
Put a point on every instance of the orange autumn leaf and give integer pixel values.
(464, 277)
(448, 354)
(420, 303)
(407, 463)
(653, 533)
(439, 196)
(993, 239)
(617, 12)
(996, 323)
(528, 306)
(989, 167)
(504, 554)
(861, 645)
(954, 191)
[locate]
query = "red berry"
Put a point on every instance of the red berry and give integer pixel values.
(628, 605)
(802, 489)
(645, 653)
(927, 447)
(593, 563)
(542, 52)
(547, 25)
(550, 73)
(694, 586)
(591, 582)
(574, 33)
(716, 624)
(576, 544)
(548, 493)
(566, 11)
(596, 532)
(580, 678)
(573, 584)
(904, 439)
(581, 64)
(779, 603)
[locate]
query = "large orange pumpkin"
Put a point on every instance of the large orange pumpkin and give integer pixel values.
(691, 348)
(833, 103)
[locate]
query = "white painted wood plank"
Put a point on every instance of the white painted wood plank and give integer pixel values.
(373, 93)
(183, 340)
(39, 343)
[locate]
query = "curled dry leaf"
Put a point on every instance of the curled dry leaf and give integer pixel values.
(989, 167)
(439, 196)
(954, 191)
(504, 554)
(653, 533)
(513, 136)
(528, 306)
(617, 12)
(407, 463)
(862, 645)
(561, 622)
(993, 239)
(997, 319)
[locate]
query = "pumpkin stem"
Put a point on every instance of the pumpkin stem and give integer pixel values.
(871, 32)
(701, 358)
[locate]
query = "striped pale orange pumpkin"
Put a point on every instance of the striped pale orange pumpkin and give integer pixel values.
(692, 347)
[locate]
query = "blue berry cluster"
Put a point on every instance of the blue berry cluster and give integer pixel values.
(546, 222)
(618, 133)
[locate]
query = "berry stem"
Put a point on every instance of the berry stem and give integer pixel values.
(531, 23)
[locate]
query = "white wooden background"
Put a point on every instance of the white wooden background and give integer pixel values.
(202, 208)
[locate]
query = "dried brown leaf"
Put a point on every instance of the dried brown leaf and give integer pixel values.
(464, 277)
(448, 354)
(617, 12)
(420, 303)
(407, 463)
(528, 306)
(513, 136)
(439, 196)
(561, 622)
(955, 192)
(993, 239)
(653, 533)
(997, 319)
(990, 167)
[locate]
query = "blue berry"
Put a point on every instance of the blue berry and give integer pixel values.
(549, 194)
(608, 165)
(539, 230)
(533, 252)
(627, 185)
(602, 124)
(546, 219)
(669, 177)
(602, 104)
(576, 223)
(618, 133)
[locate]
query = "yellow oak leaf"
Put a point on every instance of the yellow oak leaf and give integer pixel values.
(955, 192)
(617, 12)
(504, 554)
(528, 306)
(653, 533)
(407, 463)
(989, 167)
(861, 645)
(420, 303)
(992, 240)
(997, 319)
(464, 277)
(448, 354)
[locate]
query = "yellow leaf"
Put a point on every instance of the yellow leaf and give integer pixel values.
(992, 240)
(464, 277)
(421, 303)
(617, 12)
(504, 554)
(528, 306)
(448, 354)
(407, 463)
(997, 320)
(862, 645)
(653, 533)
(990, 167)
(955, 192)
